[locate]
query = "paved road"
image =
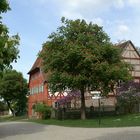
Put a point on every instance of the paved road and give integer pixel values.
(32, 131)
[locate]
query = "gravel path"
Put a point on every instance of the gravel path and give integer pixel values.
(33, 131)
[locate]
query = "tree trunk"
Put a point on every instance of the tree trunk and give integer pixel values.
(9, 106)
(83, 112)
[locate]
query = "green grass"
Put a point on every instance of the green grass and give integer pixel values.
(116, 121)
(11, 118)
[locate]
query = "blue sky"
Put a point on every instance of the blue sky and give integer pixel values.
(34, 20)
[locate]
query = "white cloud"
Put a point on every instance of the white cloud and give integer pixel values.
(71, 15)
(134, 2)
(84, 7)
(87, 8)
(107, 13)
(98, 21)
(100, 12)
(122, 32)
(119, 3)
(123, 29)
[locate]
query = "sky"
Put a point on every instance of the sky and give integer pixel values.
(35, 20)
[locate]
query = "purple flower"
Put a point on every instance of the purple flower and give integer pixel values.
(71, 95)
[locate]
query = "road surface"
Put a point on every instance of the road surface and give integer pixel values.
(33, 131)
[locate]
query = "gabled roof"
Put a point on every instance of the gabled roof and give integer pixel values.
(125, 44)
(37, 64)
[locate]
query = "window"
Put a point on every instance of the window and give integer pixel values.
(30, 91)
(37, 89)
(33, 90)
(42, 88)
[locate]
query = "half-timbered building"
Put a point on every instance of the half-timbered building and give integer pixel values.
(39, 91)
(131, 56)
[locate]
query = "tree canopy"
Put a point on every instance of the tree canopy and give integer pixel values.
(4, 6)
(8, 44)
(14, 90)
(79, 55)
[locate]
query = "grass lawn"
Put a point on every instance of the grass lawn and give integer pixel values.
(11, 118)
(116, 121)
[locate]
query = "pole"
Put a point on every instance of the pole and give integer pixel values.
(99, 111)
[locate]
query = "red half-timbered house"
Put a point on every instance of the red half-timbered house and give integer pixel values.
(39, 92)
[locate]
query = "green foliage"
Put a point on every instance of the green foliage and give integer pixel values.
(3, 106)
(8, 44)
(4, 6)
(80, 56)
(14, 90)
(8, 54)
(43, 109)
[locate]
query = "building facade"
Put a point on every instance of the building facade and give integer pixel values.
(39, 91)
(131, 56)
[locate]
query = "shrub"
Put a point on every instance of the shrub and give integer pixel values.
(128, 96)
(43, 110)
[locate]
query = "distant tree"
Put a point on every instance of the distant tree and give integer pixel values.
(3, 106)
(14, 89)
(80, 56)
(8, 50)
(128, 95)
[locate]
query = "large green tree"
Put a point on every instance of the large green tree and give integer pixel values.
(8, 44)
(13, 90)
(79, 55)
